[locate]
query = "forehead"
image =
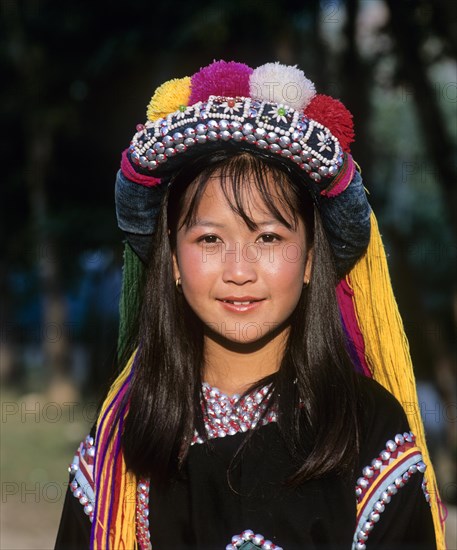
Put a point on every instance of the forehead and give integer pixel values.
(251, 196)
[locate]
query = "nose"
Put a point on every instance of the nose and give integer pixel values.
(238, 267)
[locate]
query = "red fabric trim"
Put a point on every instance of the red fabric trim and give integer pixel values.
(132, 175)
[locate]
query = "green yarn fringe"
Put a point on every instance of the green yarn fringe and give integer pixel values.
(129, 303)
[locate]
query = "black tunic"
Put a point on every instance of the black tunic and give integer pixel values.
(217, 498)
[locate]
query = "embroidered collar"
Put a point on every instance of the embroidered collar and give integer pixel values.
(228, 415)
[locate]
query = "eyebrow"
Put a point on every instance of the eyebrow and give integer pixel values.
(209, 223)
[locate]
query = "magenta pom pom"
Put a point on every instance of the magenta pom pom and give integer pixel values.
(220, 78)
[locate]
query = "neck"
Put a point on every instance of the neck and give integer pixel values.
(234, 367)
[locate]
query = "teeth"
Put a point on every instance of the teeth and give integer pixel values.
(237, 303)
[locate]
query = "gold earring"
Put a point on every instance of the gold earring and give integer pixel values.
(306, 283)
(178, 284)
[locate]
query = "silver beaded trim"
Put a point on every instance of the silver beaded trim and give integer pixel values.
(389, 487)
(142, 515)
(224, 415)
(82, 484)
(277, 128)
(249, 536)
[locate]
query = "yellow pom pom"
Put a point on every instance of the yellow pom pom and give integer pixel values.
(168, 98)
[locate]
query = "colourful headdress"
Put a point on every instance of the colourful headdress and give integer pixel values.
(273, 109)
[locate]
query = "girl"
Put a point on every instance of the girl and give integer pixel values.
(248, 415)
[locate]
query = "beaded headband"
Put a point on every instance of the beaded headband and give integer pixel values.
(262, 125)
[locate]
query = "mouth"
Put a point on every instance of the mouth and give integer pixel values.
(240, 304)
(241, 301)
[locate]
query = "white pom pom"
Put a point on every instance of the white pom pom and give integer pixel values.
(284, 84)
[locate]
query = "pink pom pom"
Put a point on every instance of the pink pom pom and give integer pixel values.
(221, 78)
(333, 114)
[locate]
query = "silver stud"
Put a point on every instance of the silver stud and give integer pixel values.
(315, 176)
(201, 129)
(275, 148)
(385, 455)
(248, 128)
(376, 464)
(284, 141)
(333, 170)
(189, 133)
(237, 136)
(178, 137)
(379, 507)
(260, 133)
(212, 136)
(200, 139)
(374, 516)
(315, 163)
(421, 466)
(225, 135)
(262, 144)
(295, 148)
(323, 171)
(158, 147)
(391, 446)
(399, 439)
(167, 141)
(272, 137)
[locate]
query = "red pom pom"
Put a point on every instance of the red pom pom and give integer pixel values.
(333, 114)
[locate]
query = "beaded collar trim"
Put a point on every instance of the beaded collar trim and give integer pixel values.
(224, 415)
(277, 128)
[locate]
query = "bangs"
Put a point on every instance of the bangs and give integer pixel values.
(243, 180)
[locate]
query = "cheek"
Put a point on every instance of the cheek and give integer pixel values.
(288, 267)
(195, 266)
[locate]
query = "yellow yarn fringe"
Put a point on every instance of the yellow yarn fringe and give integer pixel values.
(387, 349)
(123, 530)
(168, 98)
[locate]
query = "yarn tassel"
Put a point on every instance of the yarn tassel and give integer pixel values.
(132, 277)
(115, 502)
(387, 350)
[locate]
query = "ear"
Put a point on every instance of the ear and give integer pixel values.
(308, 266)
(176, 272)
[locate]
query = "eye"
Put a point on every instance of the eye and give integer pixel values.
(209, 239)
(267, 238)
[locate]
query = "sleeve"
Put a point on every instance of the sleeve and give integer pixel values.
(75, 523)
(392, 501)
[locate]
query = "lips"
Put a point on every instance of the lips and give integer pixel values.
(240, 300)
(240, 304)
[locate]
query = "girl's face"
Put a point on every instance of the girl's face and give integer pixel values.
(242, 283)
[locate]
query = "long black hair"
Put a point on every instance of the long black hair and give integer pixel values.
(315, 388)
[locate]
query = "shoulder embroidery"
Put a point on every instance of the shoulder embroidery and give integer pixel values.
(82, 467)
(382, 479)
